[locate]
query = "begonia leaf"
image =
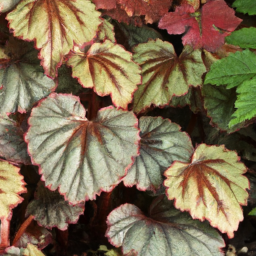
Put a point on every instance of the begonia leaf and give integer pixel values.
(245, 103)
(152, 9)
(32, 250)
(245, 6)
(57, 34)
(193, 98)
(166, 231)
(252, 212)
(106, 31)
(51, 210)
(245, 38)
(161, 143)
(232, 70)
(7, 5)
(164, 74)
(205, 28)
(22, 79)
(210, 187)
(12, 145)
(219, 103)
(129, 35)
(79, 156)
(102, 4)
(108, 69)
(13, 251)
(11, 185)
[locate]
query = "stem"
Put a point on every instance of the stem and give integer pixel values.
(5, 233)
(22, 229)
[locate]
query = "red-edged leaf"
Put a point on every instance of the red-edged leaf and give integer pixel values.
(81, 157)
(120, 15)
(103, 4)
(54, 26)
(106, 31)
(161, 143)
(51, 210)
(11, 185)
(108, 69)
(22, 79)
(164, 74)
(206, 28)
(12, 145)
(210, 187)
(152, 9)
(166, 232)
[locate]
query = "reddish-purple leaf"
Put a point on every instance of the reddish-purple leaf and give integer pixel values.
(205, 28)
(103, 4)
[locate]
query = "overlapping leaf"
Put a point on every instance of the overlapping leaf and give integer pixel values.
(219, 103)
(211, 187)
(51, 210)
(57, 33)
(108, 69)
(245, 38)
(166, 232)
(22, 79)
(164, 74)
(161, 143)
(7, 5)
(79, 156)
(245, 6)
(206, 28)
(106, 31)
(102, 4)
(12, 144)
(233, 70)
(11, 185)
(32, 250)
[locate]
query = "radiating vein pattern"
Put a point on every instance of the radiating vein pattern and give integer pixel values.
(79, 156)
(161, 143)
(211, 187)
(109, 69)
(167, 232)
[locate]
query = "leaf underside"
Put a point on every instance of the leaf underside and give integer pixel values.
(167, 232)
(211, 187)
(79, 156)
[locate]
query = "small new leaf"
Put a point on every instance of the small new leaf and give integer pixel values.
(210, 187)
(11, 185)
(108, 69)
(165, 74)
(166, 232)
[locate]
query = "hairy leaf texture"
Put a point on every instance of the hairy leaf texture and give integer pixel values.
(161, 143)
(245, 38)
(164, 74)
(205, 28)
(108, 69)
(11, 185)
(22, 79)
(51, 210)
(219, 103)
(245, 6)
(233, 70)
(211, 186)
(166, 232)
(55, 26)
(12, 145)
(79, 156)
(245, 103)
